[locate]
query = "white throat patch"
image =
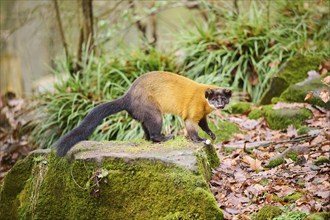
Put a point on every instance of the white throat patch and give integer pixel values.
(212, 106)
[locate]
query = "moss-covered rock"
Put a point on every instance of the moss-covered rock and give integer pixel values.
(295, 71)
(278, 119)
(297, 93)
(268, 213)
(238, 107)
(113, 180)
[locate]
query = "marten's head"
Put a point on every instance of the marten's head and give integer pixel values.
(218, 98)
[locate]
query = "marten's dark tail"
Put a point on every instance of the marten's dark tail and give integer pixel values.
(88, 124)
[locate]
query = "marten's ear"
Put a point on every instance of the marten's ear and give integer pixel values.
(209, 93)
(227, 92)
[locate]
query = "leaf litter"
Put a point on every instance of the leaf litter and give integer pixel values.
(242, 184)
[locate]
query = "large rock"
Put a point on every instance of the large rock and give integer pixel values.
(113, 180)
(296, 70)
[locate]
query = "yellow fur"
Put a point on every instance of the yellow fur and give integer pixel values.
(176, 94)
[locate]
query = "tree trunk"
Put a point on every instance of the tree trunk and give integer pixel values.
(86, 38)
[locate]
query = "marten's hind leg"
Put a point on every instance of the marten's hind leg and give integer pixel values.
(146, 132)
(153, 123)
(149, 114)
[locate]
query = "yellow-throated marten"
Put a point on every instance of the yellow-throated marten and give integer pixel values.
(149, 97)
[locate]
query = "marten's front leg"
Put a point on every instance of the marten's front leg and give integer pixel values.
(205, 127)
(192, 130)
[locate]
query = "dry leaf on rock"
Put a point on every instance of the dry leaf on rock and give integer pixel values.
(308, 96)
(324, 95)
(326, 80)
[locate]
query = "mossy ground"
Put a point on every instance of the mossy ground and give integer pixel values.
(304, 130)
(113, 188)
(281, 118)
(321, 160)
(223, 130)
(275, 163)
(238, 107)
(255, 114)
(268, 213)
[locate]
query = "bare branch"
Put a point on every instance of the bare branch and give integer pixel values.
(59, 21)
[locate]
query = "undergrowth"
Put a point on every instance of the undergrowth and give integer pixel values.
(245, 50)
(103, 79)
(238, 50)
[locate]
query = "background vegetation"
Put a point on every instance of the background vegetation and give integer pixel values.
(239, 46)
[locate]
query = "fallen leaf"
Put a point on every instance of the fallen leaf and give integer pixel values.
(324, 95)
(292, 131)
(317, 140)
(250, 124)
(254, 164)
(240, 177)
(323, 72)
(243, 217)
(269, 198)
(232, 210)
(309, 96)
(326, 80)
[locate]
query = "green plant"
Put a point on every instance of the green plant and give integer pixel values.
(289, 214)
(246, 50)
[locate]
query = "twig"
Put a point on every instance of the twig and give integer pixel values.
(297, 139)
(59, 21)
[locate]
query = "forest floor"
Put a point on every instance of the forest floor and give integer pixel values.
(245, 181)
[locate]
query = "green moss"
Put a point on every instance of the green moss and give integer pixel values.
(277, 198)
(13, 184)
(318, 216)
(238, 107)
(289, 198)
(130, 189)
(275, 163)
(268, 213)
(297, 68)
(292, 155)
(228, 150)
(275, 100)
(213, 158)
(321, 160)
(293, 197)
(256, 114)
(223, 130)
(282, 118)
(304, 130)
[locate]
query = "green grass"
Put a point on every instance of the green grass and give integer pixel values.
(242, 51)
(103, 79)
(246, 50)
